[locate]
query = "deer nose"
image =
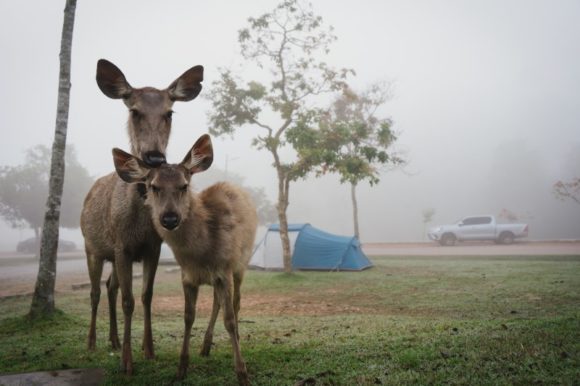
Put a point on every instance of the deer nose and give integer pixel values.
(170, 220)
(154, 158)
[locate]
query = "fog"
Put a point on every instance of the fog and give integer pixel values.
(485, 98)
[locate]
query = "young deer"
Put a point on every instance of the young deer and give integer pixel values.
(211, 234)
(115, 222)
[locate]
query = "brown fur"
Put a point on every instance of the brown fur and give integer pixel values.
(213, 241)
(115, 221)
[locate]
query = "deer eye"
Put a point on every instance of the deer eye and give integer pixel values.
(168, 115)
(183, 188)
(155, 189)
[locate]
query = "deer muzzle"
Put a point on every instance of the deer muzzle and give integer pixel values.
(154, 158)
(170, 220)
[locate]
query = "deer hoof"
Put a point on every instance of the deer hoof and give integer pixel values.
(115, 344)
(181, 373)
(182, 369)
(243, 379)
(127, 361)
(127, 368)
(204, 352)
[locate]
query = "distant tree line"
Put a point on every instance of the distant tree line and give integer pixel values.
(24, 188)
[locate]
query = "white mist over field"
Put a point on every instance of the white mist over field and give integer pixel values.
(485, 98)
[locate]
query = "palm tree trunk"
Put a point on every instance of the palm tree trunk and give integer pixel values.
(43, 298)
(354, 210)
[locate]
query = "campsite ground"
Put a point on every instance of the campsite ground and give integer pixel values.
(410, 320)
(18, 271)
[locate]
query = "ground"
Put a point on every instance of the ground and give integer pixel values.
(18, 272)
(420, 316)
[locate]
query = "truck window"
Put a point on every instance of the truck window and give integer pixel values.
(477, 220)
(484, 220)
(470, 221)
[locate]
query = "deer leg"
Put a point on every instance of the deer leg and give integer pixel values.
(112, 291)
(207, 340)
(190, 293)
(149, 270)
(237, 295)
(95, 266)
(225, 288)
(124, 268)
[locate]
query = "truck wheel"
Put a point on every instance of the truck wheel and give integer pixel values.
(448, 239)
(506, 238)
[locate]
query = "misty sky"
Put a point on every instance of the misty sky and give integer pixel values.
(486, 99)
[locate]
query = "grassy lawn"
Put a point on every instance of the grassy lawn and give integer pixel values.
(409, 320)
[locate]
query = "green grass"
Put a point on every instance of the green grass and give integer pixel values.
(409, 320)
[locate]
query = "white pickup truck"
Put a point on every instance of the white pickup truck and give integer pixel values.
(478, 228)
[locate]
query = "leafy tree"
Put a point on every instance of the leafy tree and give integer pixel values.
(428, 214)
(349, 140)
(568, 190)
(43, 298)
(23, 190)
(20, 197)
(286, 45)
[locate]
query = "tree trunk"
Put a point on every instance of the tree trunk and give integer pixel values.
(43, 298)
(354, 210)
(283, 187)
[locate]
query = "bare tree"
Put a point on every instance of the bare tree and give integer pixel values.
(428, 214)
(567, 190)
(43, 298)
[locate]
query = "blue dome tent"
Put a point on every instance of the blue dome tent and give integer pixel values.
(312, 249)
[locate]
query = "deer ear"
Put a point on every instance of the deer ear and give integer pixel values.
(111, 80)
(187, 86)
(200, 157)
(130, 168)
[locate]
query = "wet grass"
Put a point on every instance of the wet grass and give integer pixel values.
(409, 320)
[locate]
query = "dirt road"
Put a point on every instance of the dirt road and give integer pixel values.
(18, 272)
(546, 248)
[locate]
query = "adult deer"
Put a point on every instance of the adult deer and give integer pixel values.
(115, 222)
(211, 234)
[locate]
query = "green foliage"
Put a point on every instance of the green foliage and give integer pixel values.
(24, 189)
(349, 139)
(233, 106)
(287, 44)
